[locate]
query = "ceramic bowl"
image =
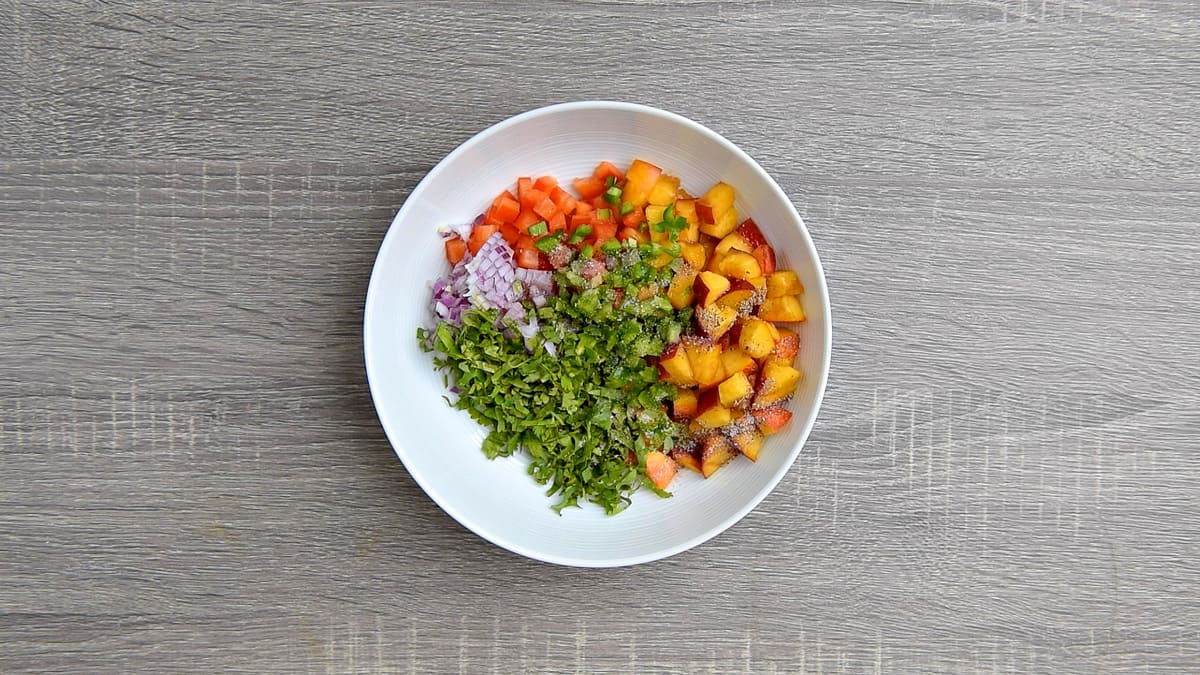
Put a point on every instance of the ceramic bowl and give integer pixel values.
(440, 446)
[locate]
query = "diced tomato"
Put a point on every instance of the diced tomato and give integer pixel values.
(525, 219)
(603, 230)
(546, 184)
(510, 233)
(629, 233)
(546, 209)
(583, 208)
(533, 196)
(600, 203)
(557, 222)
(563, 199)
(505, 207)
(456, 250)
(524, 241)
(479, 235)
(634, 218)
(606, 169)
(524, 184)
(528, 258)
(577, 220)
(589, 188)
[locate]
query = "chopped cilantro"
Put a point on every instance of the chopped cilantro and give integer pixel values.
(587, 415)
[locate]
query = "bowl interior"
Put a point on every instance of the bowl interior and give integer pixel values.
(440, 446)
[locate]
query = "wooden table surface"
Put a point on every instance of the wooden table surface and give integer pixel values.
(1005, 474)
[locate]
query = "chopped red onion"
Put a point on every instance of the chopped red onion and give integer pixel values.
(489, 279)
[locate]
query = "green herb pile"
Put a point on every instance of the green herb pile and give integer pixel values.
(587, 415)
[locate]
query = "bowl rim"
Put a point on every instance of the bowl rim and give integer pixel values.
(393, 235)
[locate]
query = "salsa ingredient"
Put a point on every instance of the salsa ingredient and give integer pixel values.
(619, 334)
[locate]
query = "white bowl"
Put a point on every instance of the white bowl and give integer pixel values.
(440, 446)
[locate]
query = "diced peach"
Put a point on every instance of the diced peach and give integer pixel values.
(714, 262)
(740, 301)
(675, 366)
(719, 199)
(750, 232)
(705, 359)
(709, 286)
(709, 245)
(716, 319)
(756, 338)
(694, 254)
(686, 209)
(774, 330)
(783, 282)
(660, 469)
(787, 347)
(735, 390)
(684, 404)
(776, 384)
(654, 215)
(765, 255)
(664, 190)
(735, 360)
(749, 442)
(711, 414)
(714, 452)
(639, 180)
(687, 459)
(733, 241)
(786, 309)
(734, 336)
(724, 224)
(680, 291)
(740, 265)
(771, 418)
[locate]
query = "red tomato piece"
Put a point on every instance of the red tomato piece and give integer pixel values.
(533, 196)
(456, 250)
(529, 259)
(631, 234)
(479, 235)
(603, 230)
(588, 188)
(505, 208)
(524, 184)
(546, 184)
(634, 218)
(525, 219)
(546, 209)
(606, 169)
(563, 199)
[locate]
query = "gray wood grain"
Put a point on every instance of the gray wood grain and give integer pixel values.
(1003, 477)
